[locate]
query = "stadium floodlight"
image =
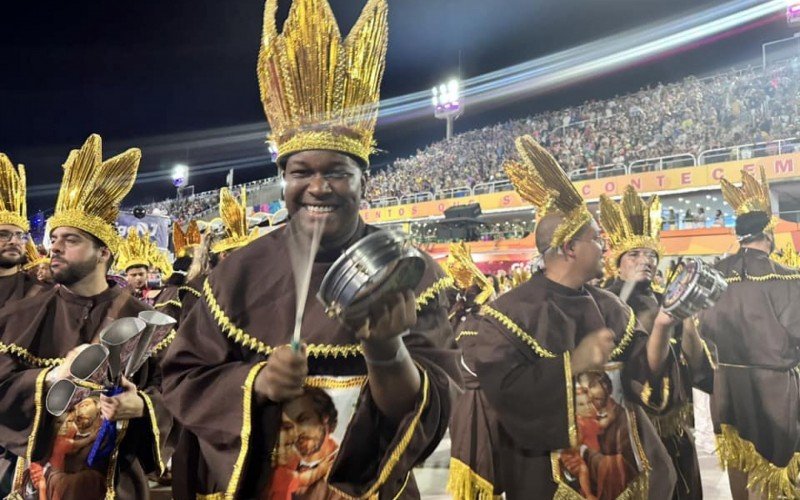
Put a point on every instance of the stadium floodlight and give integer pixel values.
(447, 103)
(180, 176)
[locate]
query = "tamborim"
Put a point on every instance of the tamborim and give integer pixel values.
(382, 263)
(695, 286)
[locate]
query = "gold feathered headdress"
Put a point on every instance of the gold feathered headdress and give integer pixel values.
(234, 218)
(752, 196)
(13, 207)
(318, 91)
(631, 223)
(34, 258)
(462, 269)
(185, 242)
(92, 190)
(540, 180)
(138, 250)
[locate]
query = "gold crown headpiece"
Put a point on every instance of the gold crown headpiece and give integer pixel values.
(13, 207)
(34, 258)
(752, 196)
(138, 250)
(234, 218)
(319, 92)
(92, 189)
(185, 242)
(788, 257)
(540, 180)
(631, 223)
(460, 266)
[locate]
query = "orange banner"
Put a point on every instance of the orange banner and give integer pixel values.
(779, 168)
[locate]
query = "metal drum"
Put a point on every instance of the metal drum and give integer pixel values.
(380, 264)
(695, 286)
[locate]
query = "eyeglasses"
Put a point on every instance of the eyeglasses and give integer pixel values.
(6, 236)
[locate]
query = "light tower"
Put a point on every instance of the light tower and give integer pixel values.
(180, 176)
(447, 103)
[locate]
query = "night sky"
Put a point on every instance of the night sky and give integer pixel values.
(167, 76)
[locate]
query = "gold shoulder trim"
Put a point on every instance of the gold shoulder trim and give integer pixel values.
(164, 343)
(247, 341)
(156, 433)
(244, 434)
(24, 355)
(736, 278)
(774, 482)
(516, 330)
(169, 303)
(465, 333)
(38, 402)
(190, 290)
(398, 451)
(433, 291)
(335, 382)
(647, 392)
(572, 428)
(627, 337)
(463, 483)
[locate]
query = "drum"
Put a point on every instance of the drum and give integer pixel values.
(380, 264)
(694, 286)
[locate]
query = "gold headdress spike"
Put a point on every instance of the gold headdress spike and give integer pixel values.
(319, 92)
(138, 250)
(519, 275)
(13, 207)
(234, 218)
(460, 266)
(92, 190)
(185, 242)
(34, 258)
(788, 257)
(541, 181)
(752, 196)
(631, 223)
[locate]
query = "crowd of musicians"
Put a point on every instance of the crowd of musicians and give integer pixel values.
(574, 383)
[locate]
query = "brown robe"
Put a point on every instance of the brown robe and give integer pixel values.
(672, 419)
(189, 294)
(169, 303)
(520, 355)
(35, 334)
(755, 330)
(247, 309)
(19, 286)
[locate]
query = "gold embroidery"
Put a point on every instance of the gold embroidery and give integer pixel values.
(164, 343)
(398, 451)
(242, 338)
(774, 482)
(211, 496)
(112, 463)
(335, 382)
(647, 392)
(627, 338)
(403, 488)
(736, 278)
(38, 402)
(190, 290)
(710, 358)
(244, 434)
(465, 333)
(673, 423)
(464, 483)
(27, 357)
(571, 427)
(636, 490)
(433, 291)
(169, 303)
(156, 432)
(516, 330)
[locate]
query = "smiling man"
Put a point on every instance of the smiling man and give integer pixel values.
(14, 227)
(391, 377)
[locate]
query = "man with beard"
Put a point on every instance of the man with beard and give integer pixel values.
(41, 336)
(632, 228)
(137, 255)
(233, 351)
(755, 330)
(14, 227)
(534, 338)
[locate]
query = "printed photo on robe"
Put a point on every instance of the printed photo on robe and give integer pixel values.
(608, 458)
(64, 474)
(312, 428)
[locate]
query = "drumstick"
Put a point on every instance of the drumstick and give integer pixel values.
(302, 281)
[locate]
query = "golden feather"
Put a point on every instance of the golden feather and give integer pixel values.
(13, 206)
